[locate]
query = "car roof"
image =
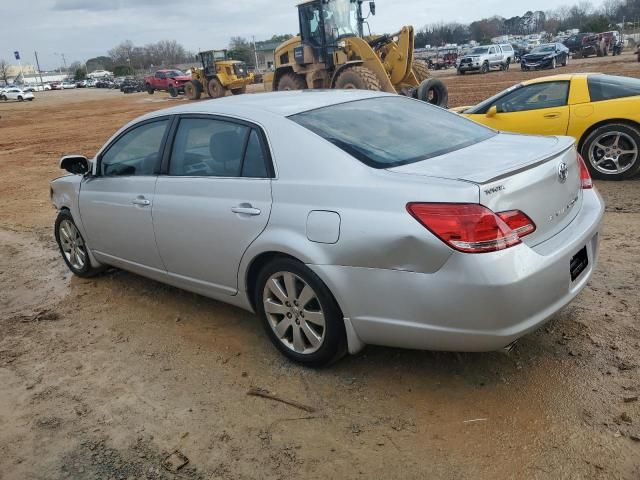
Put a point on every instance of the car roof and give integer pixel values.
(281, 104)
(567, 77)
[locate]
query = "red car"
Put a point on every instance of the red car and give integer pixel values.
(172, 81)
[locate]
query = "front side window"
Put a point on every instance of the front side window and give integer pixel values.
(137, 152)
(217, 148)
(607, 87)
(535, 97)
(375, 130)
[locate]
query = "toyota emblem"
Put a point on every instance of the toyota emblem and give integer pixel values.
(563, 172)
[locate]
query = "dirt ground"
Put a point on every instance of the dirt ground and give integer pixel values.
(104, 378)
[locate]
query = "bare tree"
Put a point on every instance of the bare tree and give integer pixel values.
(4, 70)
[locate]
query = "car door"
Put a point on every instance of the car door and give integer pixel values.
(539, 108)
(212, 201)
(161, 81)
(116, 202)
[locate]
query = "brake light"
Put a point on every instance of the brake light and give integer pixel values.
(518, 222)
(471, 228)
(585, 176)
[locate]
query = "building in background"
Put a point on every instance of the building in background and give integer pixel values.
(265, 54)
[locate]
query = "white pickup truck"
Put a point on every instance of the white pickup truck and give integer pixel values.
(486, 57)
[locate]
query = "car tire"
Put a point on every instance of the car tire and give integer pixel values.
(565, 62)
(216, 89)
(460, 72)
(2, 97)
(20, 99)
(173, 91)
(71, 243)
(316, 343)
(150, 89)
(30, 99)
(484, 68)
(433, 91)
(627, 166)
(553, 63)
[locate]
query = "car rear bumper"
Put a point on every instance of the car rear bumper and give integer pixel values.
(473, 303)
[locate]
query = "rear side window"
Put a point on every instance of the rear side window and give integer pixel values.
(217, 148)
(384, 132)
(607, 87)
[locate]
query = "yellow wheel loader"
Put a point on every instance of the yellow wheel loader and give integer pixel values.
(333, 52)
(217, 75)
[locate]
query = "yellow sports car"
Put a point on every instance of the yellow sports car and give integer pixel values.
(602, 112)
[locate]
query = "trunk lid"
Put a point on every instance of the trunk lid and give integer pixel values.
(516, 172)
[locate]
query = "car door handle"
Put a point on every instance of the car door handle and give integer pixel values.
(246, 210)
(143, 202)
(552, 115)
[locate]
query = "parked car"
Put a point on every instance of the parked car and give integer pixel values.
(445, 236)
(484, 58)
(68, 85)
(172, 81)
(445, 57)
(81, 84)
(602, 113)
(56, 85)
(15, 93)
(131, 85)
(548, 55)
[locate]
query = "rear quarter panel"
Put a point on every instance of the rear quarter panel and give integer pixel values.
(584, 116)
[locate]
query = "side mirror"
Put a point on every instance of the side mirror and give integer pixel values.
(76, 164)
(492, 111)
(372, 8)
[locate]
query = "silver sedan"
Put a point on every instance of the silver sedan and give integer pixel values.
(342, 218)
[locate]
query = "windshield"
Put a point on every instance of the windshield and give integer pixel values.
(175, 73)
(341, 19)
(479, 51)
(544, 49)
(375, 130)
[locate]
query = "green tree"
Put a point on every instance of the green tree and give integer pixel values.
(80, 74)
(596, 23)
(122, 70)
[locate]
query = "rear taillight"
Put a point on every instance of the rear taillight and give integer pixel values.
(585, 176)
(472, 228)
(518, 222)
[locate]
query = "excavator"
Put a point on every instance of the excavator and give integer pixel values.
(334, 51)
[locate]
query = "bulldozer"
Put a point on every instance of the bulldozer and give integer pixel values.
(217, 75)
(332, 51)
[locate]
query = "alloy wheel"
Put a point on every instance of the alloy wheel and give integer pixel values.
(294, 312)
(72, 245)
(613, 153)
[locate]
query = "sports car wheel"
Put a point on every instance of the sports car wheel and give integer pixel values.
(612, 151)
(299, 313)
(553, 63)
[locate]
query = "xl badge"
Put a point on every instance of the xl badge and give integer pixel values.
(563, 172)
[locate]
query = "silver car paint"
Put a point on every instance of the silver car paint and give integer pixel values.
(385, 268)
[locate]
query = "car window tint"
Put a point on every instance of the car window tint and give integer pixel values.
(384, 132)
(535, 97)
(137, 152)
(254, 160)
(606, 87)
(204, 147)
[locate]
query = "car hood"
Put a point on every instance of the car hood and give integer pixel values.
(536, 56)
(490, 159)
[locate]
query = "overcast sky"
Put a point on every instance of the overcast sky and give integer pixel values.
(82, 29)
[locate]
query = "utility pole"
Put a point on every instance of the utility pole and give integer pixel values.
(38, 65)
(255, 52)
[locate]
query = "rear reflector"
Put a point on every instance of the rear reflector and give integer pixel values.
(470, 228)
(585, 176)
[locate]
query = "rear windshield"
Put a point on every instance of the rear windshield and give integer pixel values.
(606, 87)
(386, 132)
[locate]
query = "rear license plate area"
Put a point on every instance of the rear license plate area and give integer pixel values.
(578, 263)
